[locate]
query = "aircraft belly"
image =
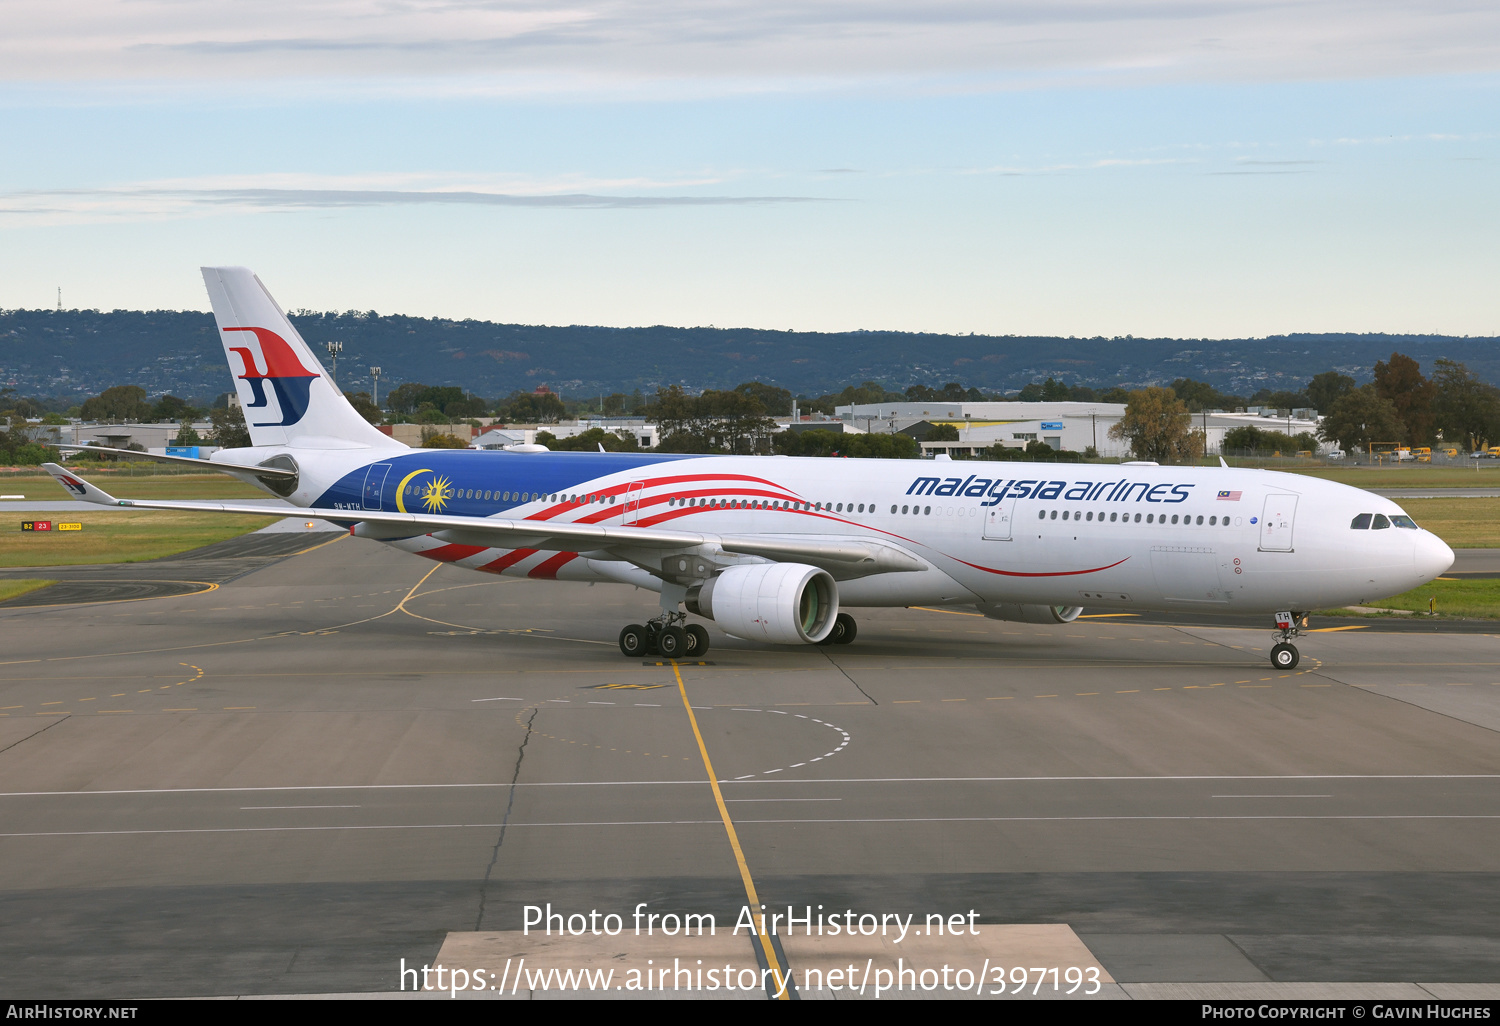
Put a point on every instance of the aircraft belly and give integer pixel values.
(923, 587)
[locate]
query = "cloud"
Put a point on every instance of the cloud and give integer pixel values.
(159, 201)
(749, 44)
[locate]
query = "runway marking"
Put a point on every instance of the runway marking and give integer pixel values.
(287, 788)
(765, 939)
(767, 949)
(143, 691)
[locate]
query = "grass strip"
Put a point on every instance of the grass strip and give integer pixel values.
(117, 536)
(1468, 599)
(15, 588)
(1462, 523)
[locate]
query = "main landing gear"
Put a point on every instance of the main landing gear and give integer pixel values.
(844, 630)
(666, 635)
(1289, 625)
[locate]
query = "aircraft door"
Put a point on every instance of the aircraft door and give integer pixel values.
(375, 485)
(632, 503)
(997, 519)
(1276, 523)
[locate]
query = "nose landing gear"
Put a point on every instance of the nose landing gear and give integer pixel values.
(1289, 625)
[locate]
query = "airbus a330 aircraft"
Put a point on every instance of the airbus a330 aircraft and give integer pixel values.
(772, 548)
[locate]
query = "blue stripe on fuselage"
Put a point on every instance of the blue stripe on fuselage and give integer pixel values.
(482, 470)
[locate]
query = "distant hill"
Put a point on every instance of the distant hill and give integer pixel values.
(81, 352)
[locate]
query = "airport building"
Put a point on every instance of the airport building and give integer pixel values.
(1064, 426)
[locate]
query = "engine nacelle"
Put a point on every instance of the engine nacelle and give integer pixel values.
(783, 603)
(1031, 614)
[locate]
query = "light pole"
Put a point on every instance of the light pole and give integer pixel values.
(375, 385)
(334, 349)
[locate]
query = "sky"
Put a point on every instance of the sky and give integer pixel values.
(1185, 168)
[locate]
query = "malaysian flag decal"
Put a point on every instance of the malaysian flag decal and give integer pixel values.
(1230, 496)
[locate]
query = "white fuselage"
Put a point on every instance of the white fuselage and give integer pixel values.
(1128, 537)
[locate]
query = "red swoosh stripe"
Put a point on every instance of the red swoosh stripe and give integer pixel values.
(547, 569)
(452, 553)
(510, 559)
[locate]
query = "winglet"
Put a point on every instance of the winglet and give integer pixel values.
(81, 489)
(1222, 463)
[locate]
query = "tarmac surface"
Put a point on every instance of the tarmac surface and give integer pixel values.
(334, 760)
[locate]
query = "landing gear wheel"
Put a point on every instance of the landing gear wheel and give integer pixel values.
(844, 629)
(698, 639)
(1284, 656)
(672, 642)
(633, 641)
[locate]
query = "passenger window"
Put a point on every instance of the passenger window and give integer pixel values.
(1200, 521)
(1381, 523)
(927, 511)
(1041, 514)
(1054, 514)
(1112, 517)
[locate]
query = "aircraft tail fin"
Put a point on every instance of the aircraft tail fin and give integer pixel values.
(287, 396)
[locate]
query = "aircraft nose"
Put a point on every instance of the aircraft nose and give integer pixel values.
(1432, 556)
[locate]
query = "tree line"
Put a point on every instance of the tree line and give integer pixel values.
(1400, 405)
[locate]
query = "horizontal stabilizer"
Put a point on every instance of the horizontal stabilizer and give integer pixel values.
(226, 468)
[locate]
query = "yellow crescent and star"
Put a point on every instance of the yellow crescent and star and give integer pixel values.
(434, 495)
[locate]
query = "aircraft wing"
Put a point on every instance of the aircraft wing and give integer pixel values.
(843, 557)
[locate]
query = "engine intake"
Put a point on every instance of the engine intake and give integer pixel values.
(783, 603)
(1019, 613)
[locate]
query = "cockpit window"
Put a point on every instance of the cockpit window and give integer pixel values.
(1360, 523)
(1406, 522)
(1381, 523)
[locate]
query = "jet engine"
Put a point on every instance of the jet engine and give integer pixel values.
(1031, 614)
(783, 603)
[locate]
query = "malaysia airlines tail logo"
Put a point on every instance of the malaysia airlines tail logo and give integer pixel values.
(291, 381)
